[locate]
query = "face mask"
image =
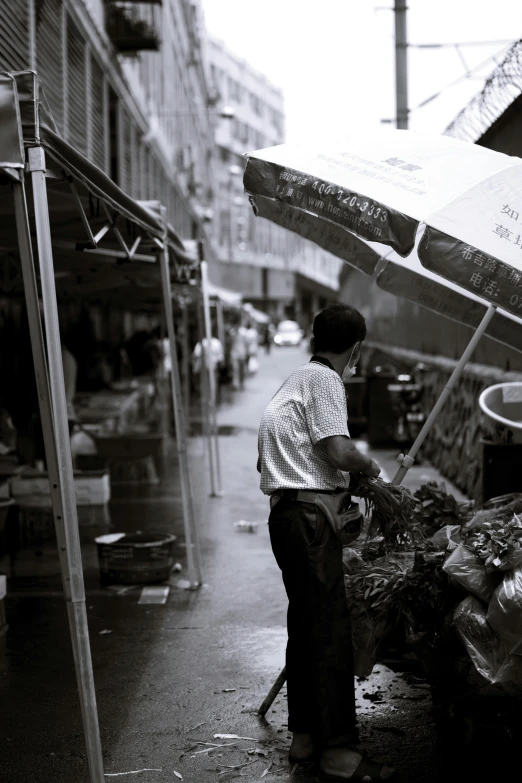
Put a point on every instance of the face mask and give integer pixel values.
(348, 371)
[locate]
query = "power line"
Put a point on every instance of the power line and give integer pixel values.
(462, 78)
(460, 43)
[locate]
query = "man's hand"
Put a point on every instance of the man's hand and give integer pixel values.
(373, 471)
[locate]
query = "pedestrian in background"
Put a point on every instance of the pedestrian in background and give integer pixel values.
(238, 354)
(304, 452)
(268, 336)
(216, 359)
(252, 339)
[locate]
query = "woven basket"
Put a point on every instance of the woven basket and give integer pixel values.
(140, 558)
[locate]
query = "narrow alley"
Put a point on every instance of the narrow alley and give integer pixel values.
(168, 677)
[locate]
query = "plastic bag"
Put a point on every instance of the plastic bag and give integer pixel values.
(468, 570)
(253, 365)
(505, 611)
(448, 537)
(488, 653)
(351, 560)
(483, 646)
(509, 676)
(366, 635)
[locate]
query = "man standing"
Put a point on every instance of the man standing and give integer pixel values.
(304, 451)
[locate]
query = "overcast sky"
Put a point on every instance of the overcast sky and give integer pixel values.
(334, 59)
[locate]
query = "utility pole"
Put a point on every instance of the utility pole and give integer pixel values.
(401, 64)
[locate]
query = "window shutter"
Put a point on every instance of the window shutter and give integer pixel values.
(98, 115)
(50, 56)
(125, 153)
(14, 35)
(76, 89)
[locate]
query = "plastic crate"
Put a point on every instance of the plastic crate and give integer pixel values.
(91, 487)
(140, 558)
(131, 446)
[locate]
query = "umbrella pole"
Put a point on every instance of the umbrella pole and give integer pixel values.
(53, 411)
(409, 459)
(214, 440)
(189, 524)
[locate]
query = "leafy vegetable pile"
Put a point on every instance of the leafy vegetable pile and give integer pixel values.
(418, 595)
(435, 508)
(497, 542)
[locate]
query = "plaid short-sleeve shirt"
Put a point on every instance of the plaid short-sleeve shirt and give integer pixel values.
(310, 406)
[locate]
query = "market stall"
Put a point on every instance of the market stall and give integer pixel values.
(58, 208)
(423, 216)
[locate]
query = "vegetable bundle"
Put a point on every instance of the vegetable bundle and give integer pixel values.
(391, 508)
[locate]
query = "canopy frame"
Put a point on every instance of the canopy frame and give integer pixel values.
(27, 158)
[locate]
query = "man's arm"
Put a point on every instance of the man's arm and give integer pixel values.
(344, 455)
(259, 464)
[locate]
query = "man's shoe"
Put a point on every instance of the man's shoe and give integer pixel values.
(302, 749)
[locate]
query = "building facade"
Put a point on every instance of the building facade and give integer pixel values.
(127, 87)
(273, 268)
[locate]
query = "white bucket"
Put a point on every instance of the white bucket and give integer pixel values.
(503, 403)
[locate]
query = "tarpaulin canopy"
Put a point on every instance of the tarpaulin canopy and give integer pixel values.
(101, 237)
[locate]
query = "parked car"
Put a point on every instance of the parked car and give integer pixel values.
(288, 333)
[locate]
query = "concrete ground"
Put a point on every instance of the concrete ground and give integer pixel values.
(171, 677)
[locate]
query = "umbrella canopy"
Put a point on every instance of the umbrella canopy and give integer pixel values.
(381, 185)
(404, 277)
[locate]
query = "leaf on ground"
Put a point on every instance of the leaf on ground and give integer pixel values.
(178, 775)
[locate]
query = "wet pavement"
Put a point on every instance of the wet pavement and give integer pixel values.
(170, 677)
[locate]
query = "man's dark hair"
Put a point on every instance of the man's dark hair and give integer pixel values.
(337, 328)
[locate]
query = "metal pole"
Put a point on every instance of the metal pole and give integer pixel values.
(205, 404)
(409, 459)
(189, 524)
(220, 322)
(186, 363)
(214, 439)
(53, 410)
(401, 64)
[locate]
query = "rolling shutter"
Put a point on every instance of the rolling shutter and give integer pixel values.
(14, 35)
(50, 56)
(76, 89)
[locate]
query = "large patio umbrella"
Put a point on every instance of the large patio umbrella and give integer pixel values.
(458, 202)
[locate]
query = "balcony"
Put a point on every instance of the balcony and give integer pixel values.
(133, 26)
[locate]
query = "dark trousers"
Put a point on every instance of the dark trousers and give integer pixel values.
(319, 662)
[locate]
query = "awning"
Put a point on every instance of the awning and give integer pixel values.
(102, 239)
(231, 298)
(257, 315)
